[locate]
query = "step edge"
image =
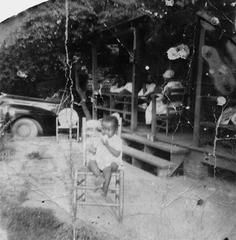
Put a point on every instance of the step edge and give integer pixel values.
(164, 163)
(177, 150)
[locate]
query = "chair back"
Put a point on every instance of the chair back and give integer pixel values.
(67, 118)
(175, 100)
(176, 95)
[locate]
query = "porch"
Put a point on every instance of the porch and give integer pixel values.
(178, 147)
(198, 140)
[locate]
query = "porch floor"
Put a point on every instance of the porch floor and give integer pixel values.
(184, 138)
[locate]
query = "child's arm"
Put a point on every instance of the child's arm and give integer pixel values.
(113, 151)
(92, 149)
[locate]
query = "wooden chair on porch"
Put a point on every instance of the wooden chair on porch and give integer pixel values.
(84, 176)
(174, 108)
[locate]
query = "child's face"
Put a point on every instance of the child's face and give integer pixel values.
(108, 129)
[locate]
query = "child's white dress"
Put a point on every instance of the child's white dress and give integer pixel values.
(103, 156)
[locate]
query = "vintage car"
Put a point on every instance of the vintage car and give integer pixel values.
(27, 116)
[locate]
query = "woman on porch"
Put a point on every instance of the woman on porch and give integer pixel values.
(162, 96)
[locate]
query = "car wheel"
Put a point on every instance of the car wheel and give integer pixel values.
(25, 128)
(39, 127)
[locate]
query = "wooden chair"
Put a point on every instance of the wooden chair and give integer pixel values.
(67, 120)
(169, 120)
(84, 184)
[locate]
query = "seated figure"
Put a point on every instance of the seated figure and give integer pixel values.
(148, 88)
(127, 88)
(106, 152)
(162, 100)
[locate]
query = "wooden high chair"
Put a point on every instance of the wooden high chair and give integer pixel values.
(116, 187)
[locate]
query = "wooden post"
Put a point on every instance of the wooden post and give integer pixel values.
(134, 100)
(82, 95)
(197, 114)
(94, 78)
(154, 118)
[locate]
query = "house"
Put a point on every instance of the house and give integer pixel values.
(145, 45)
(199, 138)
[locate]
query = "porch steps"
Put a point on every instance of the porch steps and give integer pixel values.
(147, 157)
(164, 167)
(156, 144)
(164, 158)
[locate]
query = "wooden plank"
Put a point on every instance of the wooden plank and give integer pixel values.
(154, 118)
(134, 100)
(188, 146)
(213, 125)
(197, 114)
(160, 145)
(116, 94)
(112, 110)
(214, 99)
(148, 158)
(128, 103)
(221, 163)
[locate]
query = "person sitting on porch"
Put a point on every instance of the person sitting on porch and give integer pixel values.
(148, 87)
(145, 92)
(161, 100)
(106, 153)
(121, 86)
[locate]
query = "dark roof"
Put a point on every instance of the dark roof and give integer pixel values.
(125, 23)
(122, 28)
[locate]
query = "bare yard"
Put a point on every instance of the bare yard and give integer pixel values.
(36, 196)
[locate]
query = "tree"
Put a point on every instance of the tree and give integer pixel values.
(37, 48)
(32, 59)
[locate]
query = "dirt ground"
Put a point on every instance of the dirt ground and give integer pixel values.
(36, 174)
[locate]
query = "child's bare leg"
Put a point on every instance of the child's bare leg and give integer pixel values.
(93, 167)
(107, 175)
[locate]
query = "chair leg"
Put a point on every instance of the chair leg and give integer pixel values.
(57, 129)
(82, 182)
(167, 126)
(84, 185)
(74, 206)
(77, 133)
(121, 195)
(117, 188)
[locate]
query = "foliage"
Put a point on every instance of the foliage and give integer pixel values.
(32, 59)
(37, 48)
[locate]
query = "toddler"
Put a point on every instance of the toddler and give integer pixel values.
(106, 153)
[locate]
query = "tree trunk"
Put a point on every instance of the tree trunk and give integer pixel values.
(81, 95)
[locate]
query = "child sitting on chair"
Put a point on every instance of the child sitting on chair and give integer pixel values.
(106, 153)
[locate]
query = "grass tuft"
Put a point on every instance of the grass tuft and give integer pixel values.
(23, 223)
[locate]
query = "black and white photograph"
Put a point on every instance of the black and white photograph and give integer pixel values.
(117, 119)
